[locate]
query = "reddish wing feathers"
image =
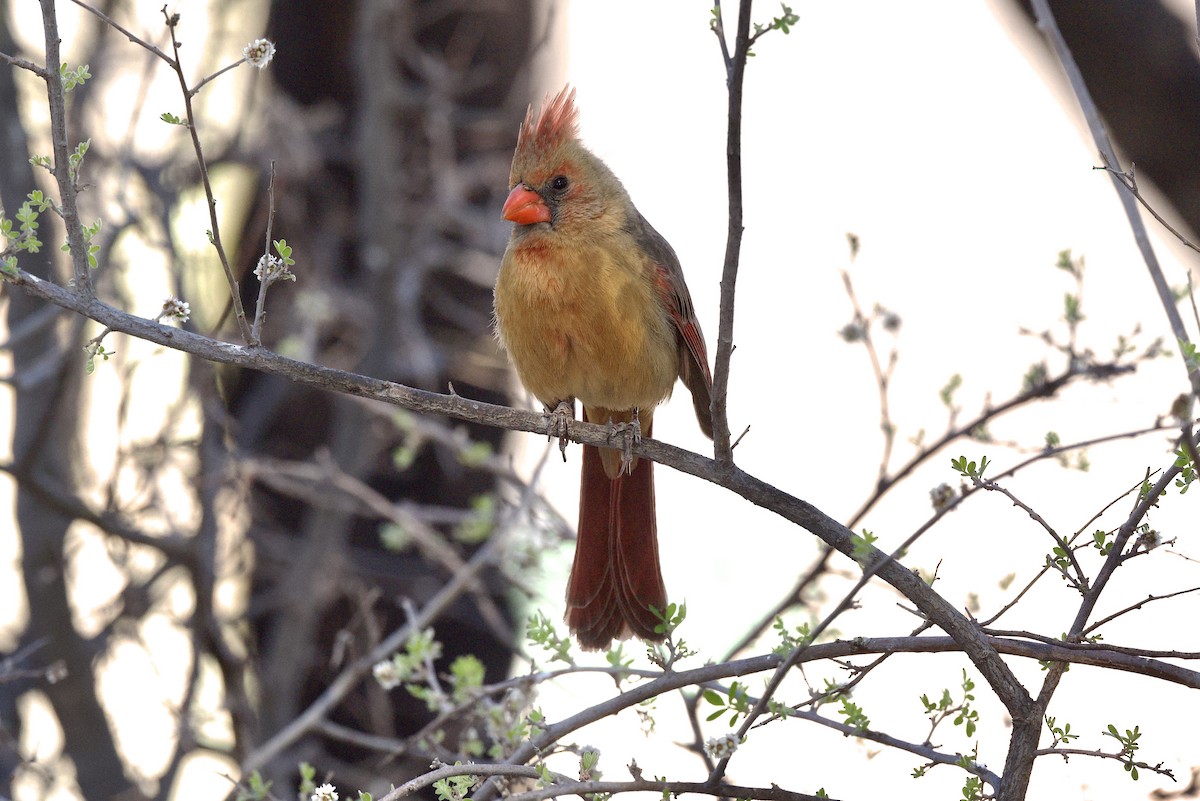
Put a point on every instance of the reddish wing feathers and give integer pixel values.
(694, 357)
(675, 298)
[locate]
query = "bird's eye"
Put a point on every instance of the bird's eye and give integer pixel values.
(559, 184)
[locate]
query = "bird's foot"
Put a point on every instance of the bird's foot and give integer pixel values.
(558, 424)
(631, 435)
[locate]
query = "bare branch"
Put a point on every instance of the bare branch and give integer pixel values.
(733, 243)
(25, 65)
(311, 717)
(1047, 24)
(112, 23)
(215, 232)
(63, 174)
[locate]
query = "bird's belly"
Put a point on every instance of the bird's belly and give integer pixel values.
(616, 351)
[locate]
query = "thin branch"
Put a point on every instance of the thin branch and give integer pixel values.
(1120, 757)
(68, 193)
(1114, 559)
(1086, 654)
(1017, 599)
(215, 232)
(718, 27)
(1046, 389)
(821, 564)
(923, 750)
(200, 84)
(1147, 653)
(1047, 24)
(175, 548)
(109, 21)
(772, 793)
(1148, 599)
(298, 479)
(882, 379)
(337, 689)
(1079, 580)
(565, 786)
(795, 596)
(260, 307)
(1130, 182)
(733, 243)
(25, 65)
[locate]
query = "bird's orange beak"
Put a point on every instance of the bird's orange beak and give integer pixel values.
(525, 207)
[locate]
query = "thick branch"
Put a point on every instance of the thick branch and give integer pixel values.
(807, 516)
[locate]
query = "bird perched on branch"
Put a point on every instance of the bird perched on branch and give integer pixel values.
(591, 305)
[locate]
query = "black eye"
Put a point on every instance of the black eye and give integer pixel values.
(559, 184)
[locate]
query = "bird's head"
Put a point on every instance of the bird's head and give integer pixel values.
(556, 183)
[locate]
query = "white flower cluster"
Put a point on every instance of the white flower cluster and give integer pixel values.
(174, 307)
(177, 308)
(941, 496)
(325, 793)
(271, 269)
(1150, 539)
(721, 747)
(259, 52)
(387, 673)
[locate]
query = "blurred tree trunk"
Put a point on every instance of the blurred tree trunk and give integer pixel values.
(405, 113)
(392, 133)
(1140, 63)
(47, 369)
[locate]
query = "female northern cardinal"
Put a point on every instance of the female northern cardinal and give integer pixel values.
(591, 304)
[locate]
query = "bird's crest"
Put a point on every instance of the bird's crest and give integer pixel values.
(556, 123)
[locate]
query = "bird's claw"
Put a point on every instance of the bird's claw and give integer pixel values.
(558, 424)
(631, 435)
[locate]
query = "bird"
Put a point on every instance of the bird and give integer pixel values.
(591, 305)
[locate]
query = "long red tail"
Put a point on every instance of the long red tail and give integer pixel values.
(616, 576)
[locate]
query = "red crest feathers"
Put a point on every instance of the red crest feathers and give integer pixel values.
(557, 122)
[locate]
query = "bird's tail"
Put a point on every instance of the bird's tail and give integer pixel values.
(616, 577)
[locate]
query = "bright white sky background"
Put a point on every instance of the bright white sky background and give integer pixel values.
(933, 132)
(936, 134)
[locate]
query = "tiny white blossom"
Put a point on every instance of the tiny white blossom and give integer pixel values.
(56, 672)
(386, 674)
(174, 307)
(721, 747)
(271, 269)
(325, 793)
(266, 265)
(259, 52)
(941, 496)
(1150, 539)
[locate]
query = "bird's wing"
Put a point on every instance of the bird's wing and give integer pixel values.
(677, 301)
